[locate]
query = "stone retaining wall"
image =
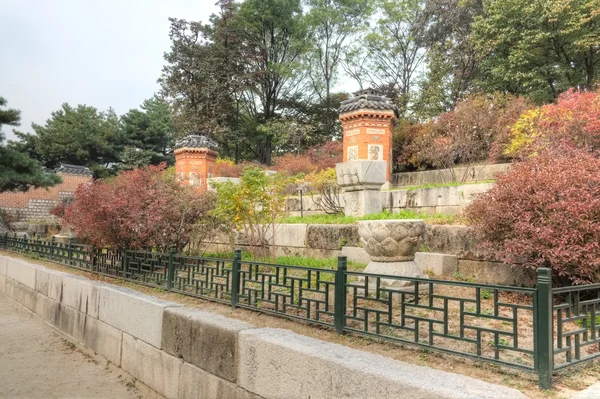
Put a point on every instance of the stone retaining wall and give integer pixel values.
(473, 173)
(187, 353)
(450, 200)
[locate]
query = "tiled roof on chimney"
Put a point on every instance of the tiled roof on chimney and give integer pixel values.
(370, 99)
(196, 140)
(73, 169)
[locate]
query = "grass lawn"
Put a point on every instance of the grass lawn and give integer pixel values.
(436, 185)
(321, 263)
(433, 218)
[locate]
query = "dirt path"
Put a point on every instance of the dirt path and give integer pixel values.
(35, 362)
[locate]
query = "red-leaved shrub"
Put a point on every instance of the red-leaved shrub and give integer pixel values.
(317, 158)
(545, 212)
(140, 209)
(228, 168)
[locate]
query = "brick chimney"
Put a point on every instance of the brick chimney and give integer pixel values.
(367, 124)
(195, 158)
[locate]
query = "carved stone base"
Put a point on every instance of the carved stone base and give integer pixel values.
(362, 202)
(400, 269)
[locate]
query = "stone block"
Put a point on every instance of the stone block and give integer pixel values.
(136, 314)
(361, 173)
(438, 264)
(3, 284)
(21, 271)
(356, 254)
(451, 239)
(103, 339)
(287, 235)
(46, 308)
(155, 368)
(277, 363)
(3, 263)
(486, 272)
(74, 291)
(70, 322)
(195, 383)
(20, 293)
(331, 236)
(205, 339)
(362, 202)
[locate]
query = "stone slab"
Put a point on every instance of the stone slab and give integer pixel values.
(195, 383)
(46, 308)
(362, 202)
(70, 322)
(331, 236)
(497, 273)
(438, 264)
(277, 363)
(361, 173)
(3, 263)
(205, 339)
(155, 368)
(103, 339)
(356, 254)
(71, 290)
(136, 314)
(287, 235)
(20, 293)
(22, 272)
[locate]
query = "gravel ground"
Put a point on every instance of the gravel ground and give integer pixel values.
(35, 362)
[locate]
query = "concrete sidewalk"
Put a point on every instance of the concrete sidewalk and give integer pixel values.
(35, 362)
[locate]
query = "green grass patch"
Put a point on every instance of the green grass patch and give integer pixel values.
(589, 321)
(435, 218)
(437, 185)
(320, 263)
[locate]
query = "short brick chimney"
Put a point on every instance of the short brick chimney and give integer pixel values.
(195, 158)
(367, 124)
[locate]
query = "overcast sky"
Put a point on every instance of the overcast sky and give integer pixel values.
(100, 53)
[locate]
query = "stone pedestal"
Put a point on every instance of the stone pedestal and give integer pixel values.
(361, 181)
(392, 245)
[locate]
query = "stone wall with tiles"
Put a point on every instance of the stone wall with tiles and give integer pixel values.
(187, 353)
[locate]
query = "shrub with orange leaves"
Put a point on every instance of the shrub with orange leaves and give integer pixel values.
(573, 120)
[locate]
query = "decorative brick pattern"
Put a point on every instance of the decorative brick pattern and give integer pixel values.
(37, 203)
(368, 123)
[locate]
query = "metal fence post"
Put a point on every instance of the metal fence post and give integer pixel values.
(339, 311)
(545, 328)
(125, 264)
(171, 270)
(235, 277)
(6, 240)
(70, 252)
(93, 258)
(52, 243)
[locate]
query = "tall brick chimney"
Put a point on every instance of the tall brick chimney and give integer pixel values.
(367, 124)
(195, 158)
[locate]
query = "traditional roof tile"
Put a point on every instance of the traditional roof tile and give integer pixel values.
(369, 99)
(196, 140)
(73, 169)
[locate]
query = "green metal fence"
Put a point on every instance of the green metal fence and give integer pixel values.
(538, 329)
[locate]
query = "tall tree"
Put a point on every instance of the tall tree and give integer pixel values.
(275, 36)
(446, 27)
(332, 24)
(539, 48)
(393, 50)
(80, 136)
(17, 170)
(148, 134)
